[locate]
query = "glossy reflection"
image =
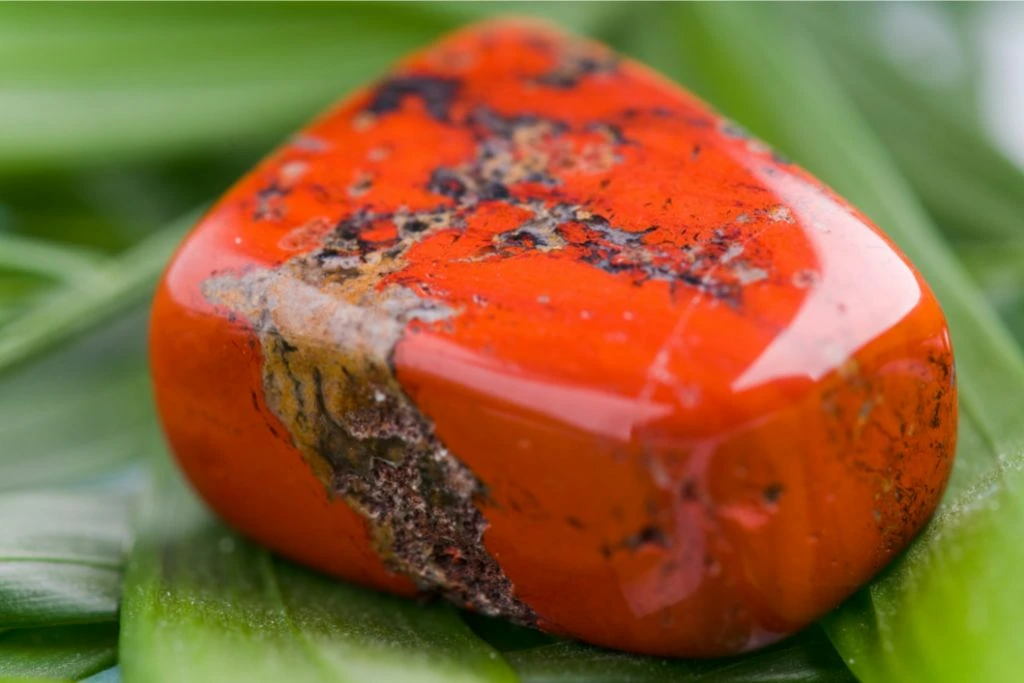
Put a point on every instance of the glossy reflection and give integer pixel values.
(862, 290)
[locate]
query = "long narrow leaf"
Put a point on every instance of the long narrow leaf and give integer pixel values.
(78, 413)
(70, 311)
(68, 652)
(999, 269)
(151, 80)
(808, 657)
(61, 556)
(54, 261)
(111, 675)
(966, 183)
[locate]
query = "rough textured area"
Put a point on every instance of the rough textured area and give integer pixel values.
(531, 154)
(327, 335)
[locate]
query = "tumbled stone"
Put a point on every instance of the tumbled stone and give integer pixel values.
(527, 326)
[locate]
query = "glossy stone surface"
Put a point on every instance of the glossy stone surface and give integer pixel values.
(529, 327)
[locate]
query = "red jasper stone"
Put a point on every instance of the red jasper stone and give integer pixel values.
(527, 326)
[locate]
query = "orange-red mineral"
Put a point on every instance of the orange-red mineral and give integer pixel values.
(529, 327)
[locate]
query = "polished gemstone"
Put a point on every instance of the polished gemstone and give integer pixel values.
(529, 327)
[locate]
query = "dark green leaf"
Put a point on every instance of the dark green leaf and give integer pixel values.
(807, 657)
(106, 210)
(16, 289)
(68, 652)
(201, 604)
(505, 636)
(61, 556)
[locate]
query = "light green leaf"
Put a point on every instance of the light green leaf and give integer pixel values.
(78, 413)
(69, 311)
(57, 262)
(947, 610)
(591, 18)
(999, 269)
(541, 658)
(971, 188)
(61, 556)
(807, 657)
(202, 604)
(65, 652)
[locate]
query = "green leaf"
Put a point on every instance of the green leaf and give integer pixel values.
(68, 652)
(16, 289)
(61, 556)
(68, 312)
(54, 261)
(971, 188)
(78, 413)
(591, 18)
(503, 635)
(999, 269)
(805, 657)
(949, 607)
(152, 80)
(201, 604)
(109, 209)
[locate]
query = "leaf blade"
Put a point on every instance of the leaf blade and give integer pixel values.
(70, 311)
(79, 413)
(71, 652)
(806, 657)
(61, 555)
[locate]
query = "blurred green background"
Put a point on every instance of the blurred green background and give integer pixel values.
(120, 122)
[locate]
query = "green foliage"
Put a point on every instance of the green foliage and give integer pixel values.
(80, 411)
(89, 298)
(69, 652)
(804, 658)
(118, 118)
(953, 168)
(61, 556)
